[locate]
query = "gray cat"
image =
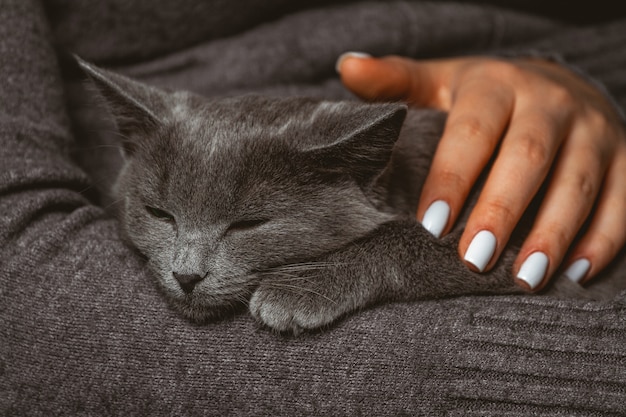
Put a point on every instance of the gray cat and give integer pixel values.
(303, 209)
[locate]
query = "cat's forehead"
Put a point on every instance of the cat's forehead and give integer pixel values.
(253, 116)
(210, 161)
(215, 138)
(242, 139)
(259, 118)
(238, 129)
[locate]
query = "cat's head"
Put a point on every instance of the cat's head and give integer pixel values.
(214, 191)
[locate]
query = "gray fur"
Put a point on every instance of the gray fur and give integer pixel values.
(302, 208)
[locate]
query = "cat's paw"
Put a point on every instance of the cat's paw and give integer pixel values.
(292, 311)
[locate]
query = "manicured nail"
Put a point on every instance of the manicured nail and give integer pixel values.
(578, 270)
(349, 55)
(436, 217)
(534, 269)
(481, 249)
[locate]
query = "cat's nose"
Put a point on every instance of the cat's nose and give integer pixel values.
(187, 281)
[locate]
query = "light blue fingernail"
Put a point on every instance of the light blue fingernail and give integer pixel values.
(481, 250)
(578, 270)
(436, 217)
(349, 55)
(534, 269)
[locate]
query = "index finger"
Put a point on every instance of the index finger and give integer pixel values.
(420, 83)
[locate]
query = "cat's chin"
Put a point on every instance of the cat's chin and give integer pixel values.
(200, 307)
(206, 315)
(201, 313)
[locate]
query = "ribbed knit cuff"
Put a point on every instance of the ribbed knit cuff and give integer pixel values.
(531, 356)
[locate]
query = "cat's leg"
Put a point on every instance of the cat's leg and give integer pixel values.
(398, 261)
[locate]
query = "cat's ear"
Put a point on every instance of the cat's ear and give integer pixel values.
(363, 147)
(138, 109)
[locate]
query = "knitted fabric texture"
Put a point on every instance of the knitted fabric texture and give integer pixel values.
(83, 330)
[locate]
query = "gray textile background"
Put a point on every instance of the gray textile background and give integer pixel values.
(83, 330)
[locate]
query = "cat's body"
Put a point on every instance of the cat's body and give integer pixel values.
(304, 208)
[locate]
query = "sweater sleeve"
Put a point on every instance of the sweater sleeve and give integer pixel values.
(38, 182)
(83, 330)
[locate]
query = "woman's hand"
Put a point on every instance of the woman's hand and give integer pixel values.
(540, 118)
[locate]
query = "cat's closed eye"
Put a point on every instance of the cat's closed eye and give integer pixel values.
(160, 214)
(245, 224)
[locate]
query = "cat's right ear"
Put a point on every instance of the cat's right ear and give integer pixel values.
(137, 108)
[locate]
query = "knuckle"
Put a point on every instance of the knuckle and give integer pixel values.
(605, 244)
(583, 185)
(451, 179)
(603, 137)
(500, 71)
(561, 96)
(505, 70)
(532, 148)
(501, 209)
(471, 128)
(597, 122)
(559, 234)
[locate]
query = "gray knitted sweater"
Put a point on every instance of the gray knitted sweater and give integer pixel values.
(83, 330)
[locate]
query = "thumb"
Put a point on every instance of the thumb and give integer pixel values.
(392, 78)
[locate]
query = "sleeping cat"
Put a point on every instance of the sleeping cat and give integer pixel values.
(304, 209)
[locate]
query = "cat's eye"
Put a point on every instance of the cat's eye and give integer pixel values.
(246, 224)
(160, 214)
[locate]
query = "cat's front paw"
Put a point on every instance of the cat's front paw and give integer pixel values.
(293, 310)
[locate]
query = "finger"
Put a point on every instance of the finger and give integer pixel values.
(573, 189)
(606, 233)
(421, 83)
(475, 124)
(521, 166)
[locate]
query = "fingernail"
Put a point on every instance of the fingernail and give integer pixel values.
(534, 269)
(436, 217)
(578, 270)
(349, 55)
(481, 249)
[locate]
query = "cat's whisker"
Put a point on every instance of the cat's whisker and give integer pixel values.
(285, 277)
(105, 147)
(113, 203)
(237, 299)
(88, 146)
(299, 290)
(309, 265)
(112, 132)
(284, 274)
(230, 291)
(87, 188)
(245, 299)
(241, 288)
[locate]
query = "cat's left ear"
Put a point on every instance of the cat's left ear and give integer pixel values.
(364, 149)
(138, 109)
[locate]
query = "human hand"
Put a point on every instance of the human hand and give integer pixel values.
(540, 118)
